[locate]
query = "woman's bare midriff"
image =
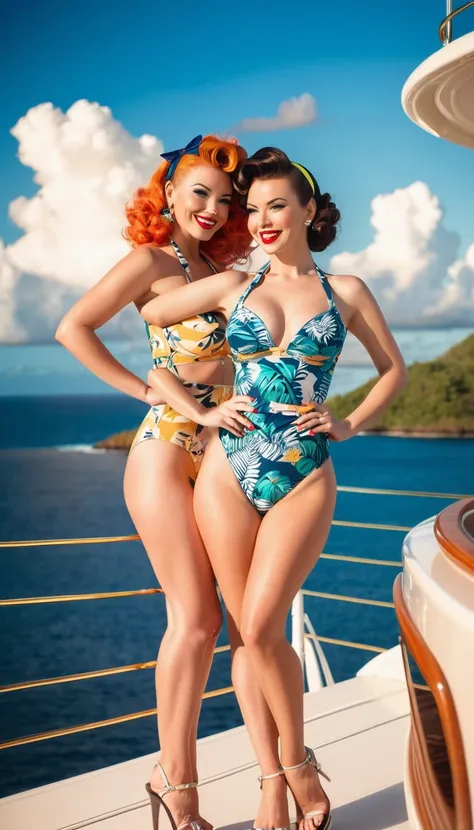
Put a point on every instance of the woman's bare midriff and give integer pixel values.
(212, 372)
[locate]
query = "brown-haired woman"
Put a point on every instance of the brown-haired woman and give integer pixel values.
(286, 328)
(183, 222)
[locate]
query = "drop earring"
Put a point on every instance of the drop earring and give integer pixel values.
(167, 213)
(308, 223)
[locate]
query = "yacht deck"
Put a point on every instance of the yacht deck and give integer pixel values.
(358, 729)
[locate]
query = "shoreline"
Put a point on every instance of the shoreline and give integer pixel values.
(122, 443)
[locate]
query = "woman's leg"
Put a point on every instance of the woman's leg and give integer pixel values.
(229, 524)
(285, 552)
(159, 497)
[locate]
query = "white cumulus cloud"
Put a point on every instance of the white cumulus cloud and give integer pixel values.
(86, 166)
(297, 112)
(412, 265)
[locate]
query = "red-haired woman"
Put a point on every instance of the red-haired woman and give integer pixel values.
(183, 222)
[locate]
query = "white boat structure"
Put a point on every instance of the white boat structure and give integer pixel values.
(397, 739)
(439, 94)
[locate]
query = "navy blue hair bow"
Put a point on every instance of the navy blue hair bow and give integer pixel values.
(174, 156)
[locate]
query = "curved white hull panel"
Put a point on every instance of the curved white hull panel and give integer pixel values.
(440, 599)
(439, 94)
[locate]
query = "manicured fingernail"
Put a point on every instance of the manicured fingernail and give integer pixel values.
(251, 428)
(254, 410)
(299, 426)
(312, 432)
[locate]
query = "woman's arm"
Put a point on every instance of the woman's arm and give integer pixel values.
(368, 324)
(130, 279)
(208, 294)
(227, 415)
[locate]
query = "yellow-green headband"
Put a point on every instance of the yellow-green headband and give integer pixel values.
(306, 174)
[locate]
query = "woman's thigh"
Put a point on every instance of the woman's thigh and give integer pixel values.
(288, 545)
(228, 524)
(159, 496)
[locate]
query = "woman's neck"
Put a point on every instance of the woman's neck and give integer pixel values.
(292, 263)
(188, 245)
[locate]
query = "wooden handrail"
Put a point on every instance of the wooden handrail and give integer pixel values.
(429, 793)
(451, 536)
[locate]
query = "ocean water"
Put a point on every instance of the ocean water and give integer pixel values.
(46, 493)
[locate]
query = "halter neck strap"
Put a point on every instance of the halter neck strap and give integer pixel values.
(254, 282)
(184, 262)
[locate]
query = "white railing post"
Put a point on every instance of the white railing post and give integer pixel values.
(297, 626)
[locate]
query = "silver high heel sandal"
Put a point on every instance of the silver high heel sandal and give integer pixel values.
(261, 779)
(156, 801)
(311, 760)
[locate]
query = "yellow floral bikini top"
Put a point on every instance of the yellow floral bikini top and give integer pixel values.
(197, 339)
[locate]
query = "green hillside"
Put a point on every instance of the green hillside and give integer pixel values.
(439, 396)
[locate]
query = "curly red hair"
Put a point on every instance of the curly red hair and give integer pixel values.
(146, 225)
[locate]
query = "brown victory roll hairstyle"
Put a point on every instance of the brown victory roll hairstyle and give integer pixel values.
(271, 163)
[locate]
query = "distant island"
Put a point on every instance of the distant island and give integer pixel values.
(438, 400)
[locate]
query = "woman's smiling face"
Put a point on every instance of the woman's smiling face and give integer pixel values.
(276, 218)
(200, 199)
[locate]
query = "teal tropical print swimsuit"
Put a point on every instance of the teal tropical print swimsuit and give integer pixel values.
(272, 459)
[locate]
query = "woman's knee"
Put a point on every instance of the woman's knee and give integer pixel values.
(200, 627)
(258, 633)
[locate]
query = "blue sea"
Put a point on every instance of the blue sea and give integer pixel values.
(53, 486)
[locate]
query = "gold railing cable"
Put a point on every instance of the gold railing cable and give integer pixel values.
(370, 526)
(35, 543)
(342, 598)
(372, 491)
(362, 560)
(342, 488)
(92, 540)
(71, 730)
(78, 597)
(346, 643)
(88, 675)
(147, 591)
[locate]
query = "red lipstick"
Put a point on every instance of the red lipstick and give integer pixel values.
(268, 237)
(205, 222)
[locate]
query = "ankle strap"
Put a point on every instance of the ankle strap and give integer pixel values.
(171, 788)
(309, 759)
(262, 778)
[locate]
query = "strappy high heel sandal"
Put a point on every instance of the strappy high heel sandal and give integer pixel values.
(156, 801)
(261, 779)
(312, 761)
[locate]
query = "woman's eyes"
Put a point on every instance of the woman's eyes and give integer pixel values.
(205, 194)
(273, 207)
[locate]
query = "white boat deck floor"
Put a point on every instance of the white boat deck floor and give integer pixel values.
(358, 729)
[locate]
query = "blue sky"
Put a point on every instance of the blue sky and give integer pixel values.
(176, 69)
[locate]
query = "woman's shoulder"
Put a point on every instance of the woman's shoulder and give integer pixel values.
(161, 260)
(347, 286)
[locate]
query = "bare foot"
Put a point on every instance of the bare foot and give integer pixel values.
(273, 810)
(309, 796)
(183, 804)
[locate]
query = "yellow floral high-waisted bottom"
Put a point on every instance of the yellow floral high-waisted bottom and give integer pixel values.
(165, 424)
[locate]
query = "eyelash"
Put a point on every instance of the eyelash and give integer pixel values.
(205, 194)
(273, 207)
